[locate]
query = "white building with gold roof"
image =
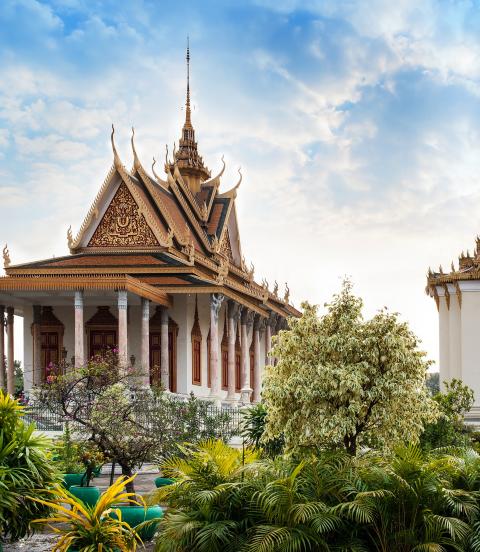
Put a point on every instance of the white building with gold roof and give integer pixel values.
(157, 271)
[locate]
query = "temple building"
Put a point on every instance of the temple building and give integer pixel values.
(457, 295)
(157, 271)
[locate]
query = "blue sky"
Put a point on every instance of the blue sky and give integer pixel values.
(355, 122)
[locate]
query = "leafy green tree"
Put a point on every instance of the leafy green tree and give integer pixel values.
(130, 425)
(449, 429)
(254, 422)
(19, 385)
(341, 381)
(433, 383)
(25, 469)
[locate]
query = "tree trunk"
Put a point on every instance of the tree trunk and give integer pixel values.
(127, 472)
(350, 443)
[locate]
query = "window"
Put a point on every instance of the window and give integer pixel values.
(196, 349)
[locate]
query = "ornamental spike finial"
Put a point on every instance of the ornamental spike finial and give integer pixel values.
(453, 267)
(188, 119)
(286, 297)
(6, 257)
(136, 162)
(69, 237)
(430, 273)
(116, 158)
(440, 269)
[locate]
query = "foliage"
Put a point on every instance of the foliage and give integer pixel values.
(432, 381)
(66, 453)
(410, 502)
(449, 429)
(92, 459)
(19, 385)
(108, 406)
(25, 468)
(254, 422)
(341, 381)
(89, 529)
(201, 467)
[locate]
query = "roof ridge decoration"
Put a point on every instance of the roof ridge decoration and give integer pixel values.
(136, 162)
(232, 193)
(159, 180)
(6, 257)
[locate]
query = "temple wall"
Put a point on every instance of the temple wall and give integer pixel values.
(470, 339)
(182, 312)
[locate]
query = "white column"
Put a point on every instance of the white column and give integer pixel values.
(246, 320)
(234, 311)
(122, 329)
(37, 346)
(215, 304)
(145, 342)
(10, 353)
(79, 330)
(3, 373)
(257, 375)
(164, 357)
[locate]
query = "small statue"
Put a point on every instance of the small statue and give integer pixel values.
(69, 237)
(222, 271)
(6, 257)
(275, 289)
(170, 238)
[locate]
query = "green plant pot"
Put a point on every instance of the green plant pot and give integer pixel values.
(134, 515)
(163, 482)
(88, 495)
(70, 479)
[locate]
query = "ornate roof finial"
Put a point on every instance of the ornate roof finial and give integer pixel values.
(453, 267)
(188, 120)
(6, 257)
(286, 297)
(116, 158)
(136, 162)
(69, 237)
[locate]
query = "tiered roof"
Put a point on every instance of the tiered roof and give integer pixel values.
(157, 237)
(468, 269)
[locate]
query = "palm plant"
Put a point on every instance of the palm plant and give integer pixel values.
(411, 504)
(25, 468)
(89, 529)
(253, 430)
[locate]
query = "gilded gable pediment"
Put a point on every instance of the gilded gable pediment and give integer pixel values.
(123, 224)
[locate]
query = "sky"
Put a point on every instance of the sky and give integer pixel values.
(356, 124)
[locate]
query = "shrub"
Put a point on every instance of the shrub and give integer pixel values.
(25, 468)
(90, 528)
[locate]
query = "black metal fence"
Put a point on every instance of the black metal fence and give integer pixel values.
(230, 418)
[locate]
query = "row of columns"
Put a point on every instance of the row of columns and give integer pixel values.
(238, 314)
(7, 370)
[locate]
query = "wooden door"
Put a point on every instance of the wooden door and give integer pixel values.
(50, 352)
(155, 358)
(102, 341)
(225, 367)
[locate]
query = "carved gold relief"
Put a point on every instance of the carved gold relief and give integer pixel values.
(226, 248)
(123, 224)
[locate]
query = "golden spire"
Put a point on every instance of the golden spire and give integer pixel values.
(188, 113)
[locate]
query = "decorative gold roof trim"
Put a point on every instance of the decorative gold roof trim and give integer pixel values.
(116, 283)
(447, 295)
(199, 230)
(160, 204)
(93, 211)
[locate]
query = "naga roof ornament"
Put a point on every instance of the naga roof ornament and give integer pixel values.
(6, 257)
(116, 158)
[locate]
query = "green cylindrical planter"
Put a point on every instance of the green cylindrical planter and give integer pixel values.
(163, 482)
(134, 515)
(88, 495)
(70, 479)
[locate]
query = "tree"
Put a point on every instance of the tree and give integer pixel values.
(129, 424)
(449, 429)
(433, 383)
(18, 377)
(341, 381)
